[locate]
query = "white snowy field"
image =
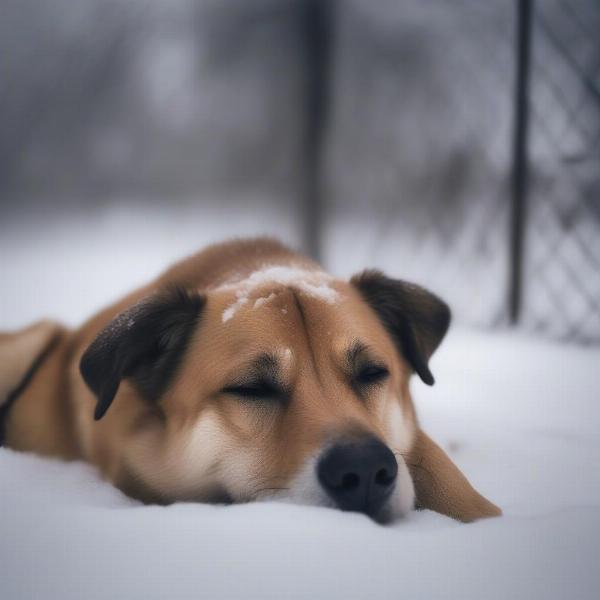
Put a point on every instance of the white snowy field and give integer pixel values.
(520, 416)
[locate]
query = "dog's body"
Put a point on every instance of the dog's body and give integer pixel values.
(244, 372)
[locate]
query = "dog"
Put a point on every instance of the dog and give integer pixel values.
(244, 373)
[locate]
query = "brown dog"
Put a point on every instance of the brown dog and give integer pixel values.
(244, 372)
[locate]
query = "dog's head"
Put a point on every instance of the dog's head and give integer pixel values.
(287, 384)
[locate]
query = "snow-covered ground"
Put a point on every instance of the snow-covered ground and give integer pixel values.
(520, 416)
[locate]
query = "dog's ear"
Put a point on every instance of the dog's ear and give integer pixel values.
(144, 343)
(416, 319)
(440, 485)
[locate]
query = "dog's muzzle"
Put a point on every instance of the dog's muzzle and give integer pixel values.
(358, 475)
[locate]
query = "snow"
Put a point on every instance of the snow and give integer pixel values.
(264, 300)
(230, 311)
(314, 283)
(519, 416)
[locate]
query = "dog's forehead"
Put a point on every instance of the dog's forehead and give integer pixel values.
(261, 287)
(288, 307)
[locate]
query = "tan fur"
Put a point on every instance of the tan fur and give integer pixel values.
(19, 350)
(201, 443)
(440, 486)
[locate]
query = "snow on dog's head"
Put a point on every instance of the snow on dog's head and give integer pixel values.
(312, 282)
(292, 385)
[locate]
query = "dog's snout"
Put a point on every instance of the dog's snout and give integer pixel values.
(359, 475)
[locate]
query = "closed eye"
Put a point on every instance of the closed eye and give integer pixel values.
(370, 375)
(258, 390)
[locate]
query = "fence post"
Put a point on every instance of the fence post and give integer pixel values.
(318, 28)
(519, 178)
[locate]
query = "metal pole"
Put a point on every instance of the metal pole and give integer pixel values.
(318, 26)
(520, 159)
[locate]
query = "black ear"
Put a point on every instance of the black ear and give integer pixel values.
(415, 318)
(145, 343)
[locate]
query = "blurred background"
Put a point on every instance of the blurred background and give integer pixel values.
(454, 144)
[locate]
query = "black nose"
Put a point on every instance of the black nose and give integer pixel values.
(358, 476)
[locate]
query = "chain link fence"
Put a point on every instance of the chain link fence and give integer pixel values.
(561, 285)
(429, 168)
